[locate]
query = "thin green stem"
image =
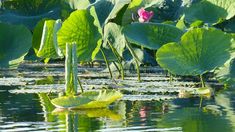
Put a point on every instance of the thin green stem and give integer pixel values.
(202, 81)
(118, 58)
(74, 68)
(119, 71)
(201, 100)
(80, 84)
(136, 59)
(138, 70)
(68, 62)
(107, 63)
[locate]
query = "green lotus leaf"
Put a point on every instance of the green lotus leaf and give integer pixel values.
(15, 41)
(210, 11)
(88, 100)
(49, 46)
(113, 34)
(106, 10)
(37, 35)
(103, 9)
(151, 35)
(79, 27)
(30, 12)
(200, 50)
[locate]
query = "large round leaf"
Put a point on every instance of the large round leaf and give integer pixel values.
(199, 51)
(151, 35)
(15, 41)
(80, 28)
(210, 10)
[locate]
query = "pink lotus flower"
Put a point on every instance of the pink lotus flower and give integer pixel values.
(144, 16)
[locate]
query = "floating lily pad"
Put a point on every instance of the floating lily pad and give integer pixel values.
(87, 100)
(200, 50)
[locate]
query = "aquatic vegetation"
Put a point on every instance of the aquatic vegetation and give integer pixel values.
(87, 100)
(182, 36)
(200, 51)
(15, 41)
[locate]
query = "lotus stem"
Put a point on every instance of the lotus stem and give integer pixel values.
(106, 62)
(136, 59)
(202, 81)
(75, 67)
(68, 62)
(138, 70)
(119, 71)
(118, 58)
(71, 70)
(201, 100)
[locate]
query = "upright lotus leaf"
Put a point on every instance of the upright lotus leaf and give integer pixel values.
(37, 35)
(87, 100)
(226, 73)
(79, 27)
(151, 35)
(49, 47)
(200, 50)
(15, 41)
(210, 11)
(103, 9)
(114, 35)
(30, 12)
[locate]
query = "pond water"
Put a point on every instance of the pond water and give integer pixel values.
(27, 112)
(151, 105)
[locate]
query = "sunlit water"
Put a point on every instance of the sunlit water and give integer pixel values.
(26, 112)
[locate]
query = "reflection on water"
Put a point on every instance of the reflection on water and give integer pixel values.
(32, 112)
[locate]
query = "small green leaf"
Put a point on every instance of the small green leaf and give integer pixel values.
(80, 28)
(151, 35)
(15, 41)
(200, 50)
(88, 100)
